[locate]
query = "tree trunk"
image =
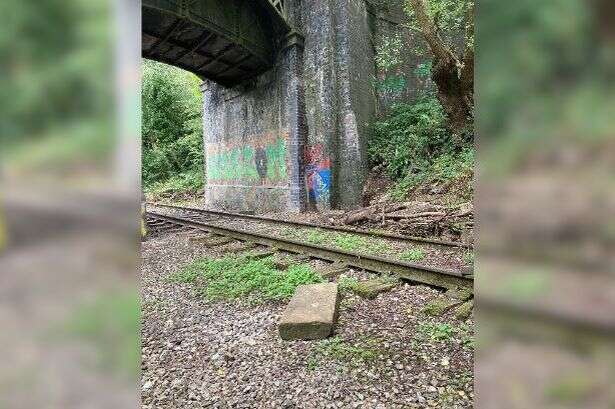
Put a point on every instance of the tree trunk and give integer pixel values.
(453, 78)
(455, 98)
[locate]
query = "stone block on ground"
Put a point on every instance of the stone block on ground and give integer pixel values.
(311, 313)
(465, 310)
(371, 288)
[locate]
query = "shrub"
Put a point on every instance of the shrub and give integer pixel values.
(414, 146)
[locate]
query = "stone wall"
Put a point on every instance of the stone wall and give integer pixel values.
(252, 141)
(412, 77)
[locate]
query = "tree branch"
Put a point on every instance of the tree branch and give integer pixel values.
(430, 32)
(467, 71)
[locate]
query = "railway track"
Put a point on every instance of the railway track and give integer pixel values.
(342, 229)
(417, 273)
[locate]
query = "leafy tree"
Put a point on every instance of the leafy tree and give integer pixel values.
(440, 22)
(171, 127)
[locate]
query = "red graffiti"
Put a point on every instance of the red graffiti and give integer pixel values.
(318, 173)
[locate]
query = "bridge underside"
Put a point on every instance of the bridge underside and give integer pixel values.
(226, 41)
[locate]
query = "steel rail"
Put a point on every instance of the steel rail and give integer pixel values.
(409, 271)
(320, 226)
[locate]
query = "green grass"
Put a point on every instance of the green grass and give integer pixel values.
(338, 349)
(443, 168)
(344, 241)
(347, 284)
(444, 332)
(436, 332)
(350, 242)
(186, 182)
(316, 237)
(413, 255)
(235, 277)
(469, 257)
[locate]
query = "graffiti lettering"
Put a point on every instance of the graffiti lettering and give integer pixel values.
(264, 161)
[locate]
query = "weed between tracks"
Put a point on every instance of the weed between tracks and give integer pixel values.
(344, 241)
(235, 277)
(413, 255)
(443, 332)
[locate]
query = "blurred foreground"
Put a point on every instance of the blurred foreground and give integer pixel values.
(70, 204)
(545, 267)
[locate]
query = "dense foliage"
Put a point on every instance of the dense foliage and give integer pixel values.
(55, 94)
(441, 23)
(414, 146)
(172, 134)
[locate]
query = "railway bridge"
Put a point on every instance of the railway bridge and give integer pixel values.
(288, 95)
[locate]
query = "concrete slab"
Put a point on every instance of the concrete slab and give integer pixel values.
(311, 313)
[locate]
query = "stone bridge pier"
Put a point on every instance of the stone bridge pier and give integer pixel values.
(293, 138)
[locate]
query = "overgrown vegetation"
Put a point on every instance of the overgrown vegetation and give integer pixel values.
(338, 349)
(236, 277)
(444, 332)
(344, 241)
(172, 135)
(347, 284)
(413, 255)
(442, 23)
(414, 146)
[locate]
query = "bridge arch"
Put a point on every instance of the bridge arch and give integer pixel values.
(287, 91)
(226, 41)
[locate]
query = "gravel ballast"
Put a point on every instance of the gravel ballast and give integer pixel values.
(385, 353)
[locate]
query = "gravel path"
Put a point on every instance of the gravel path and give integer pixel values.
(228, 354)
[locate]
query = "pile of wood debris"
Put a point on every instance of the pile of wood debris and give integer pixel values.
(421, 219)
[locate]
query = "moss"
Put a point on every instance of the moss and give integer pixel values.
(436, 308)
(461, 293)
(343, 351)
(371, 288)
(464, 310)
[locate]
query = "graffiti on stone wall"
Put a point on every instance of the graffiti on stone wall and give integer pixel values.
(392, 84)
(262, 160)
(318, 174)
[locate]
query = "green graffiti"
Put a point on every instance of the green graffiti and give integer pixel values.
(423, 70)
(393, 83)
(276, 160)
(239, 163)
(249, 172)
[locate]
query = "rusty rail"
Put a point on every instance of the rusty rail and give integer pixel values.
(320, 226)
(409, 271)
